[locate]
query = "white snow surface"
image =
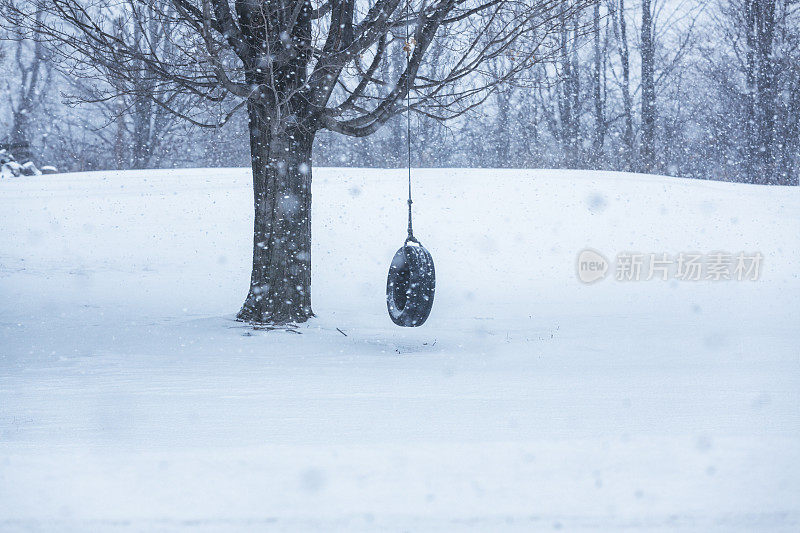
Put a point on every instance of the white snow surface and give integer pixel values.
(130, 399)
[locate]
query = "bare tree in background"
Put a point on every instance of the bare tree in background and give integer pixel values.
(598, 85)
(136, 129)
(617, 11)
(143, 126)
(569, 92)
(300, 66)
(28, 90)
(757, 24)
(757, 82)
(647, 158)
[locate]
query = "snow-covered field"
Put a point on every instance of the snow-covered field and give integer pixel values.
(131, 401)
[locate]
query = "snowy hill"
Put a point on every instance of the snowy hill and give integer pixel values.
(131, 401)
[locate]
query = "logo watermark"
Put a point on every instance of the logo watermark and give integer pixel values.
(592, 266)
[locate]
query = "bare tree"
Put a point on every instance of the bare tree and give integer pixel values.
(300, 66)
(647, 152)
(756, 81)
(758, 26)
(29, 89)
(136, 129)
(618, 13)
(145, 125)
(598, 85)
(569, 88)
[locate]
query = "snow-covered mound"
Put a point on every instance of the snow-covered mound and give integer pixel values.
(130, 400)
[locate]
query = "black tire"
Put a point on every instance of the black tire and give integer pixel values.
(411, 285)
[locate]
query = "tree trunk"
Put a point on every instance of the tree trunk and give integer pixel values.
(502, 130)
(760, 35)
(141, 149)
(20, 145)
(280, 283)
(648, 163)
(626, 89)
(568, 96)
(597, 89)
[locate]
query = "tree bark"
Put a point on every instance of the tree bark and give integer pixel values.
(280, 282)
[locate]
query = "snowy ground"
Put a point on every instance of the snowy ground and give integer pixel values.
(131, 401)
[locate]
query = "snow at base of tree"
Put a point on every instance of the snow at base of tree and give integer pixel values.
(130, 400)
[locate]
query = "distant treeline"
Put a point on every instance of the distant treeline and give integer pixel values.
(686, 88)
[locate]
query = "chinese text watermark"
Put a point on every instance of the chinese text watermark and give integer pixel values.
(592, 266)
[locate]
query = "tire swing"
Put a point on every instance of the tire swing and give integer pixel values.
(411, 284)
(412, 278)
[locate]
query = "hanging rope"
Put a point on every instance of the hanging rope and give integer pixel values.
(408, 47)
(411, 283)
